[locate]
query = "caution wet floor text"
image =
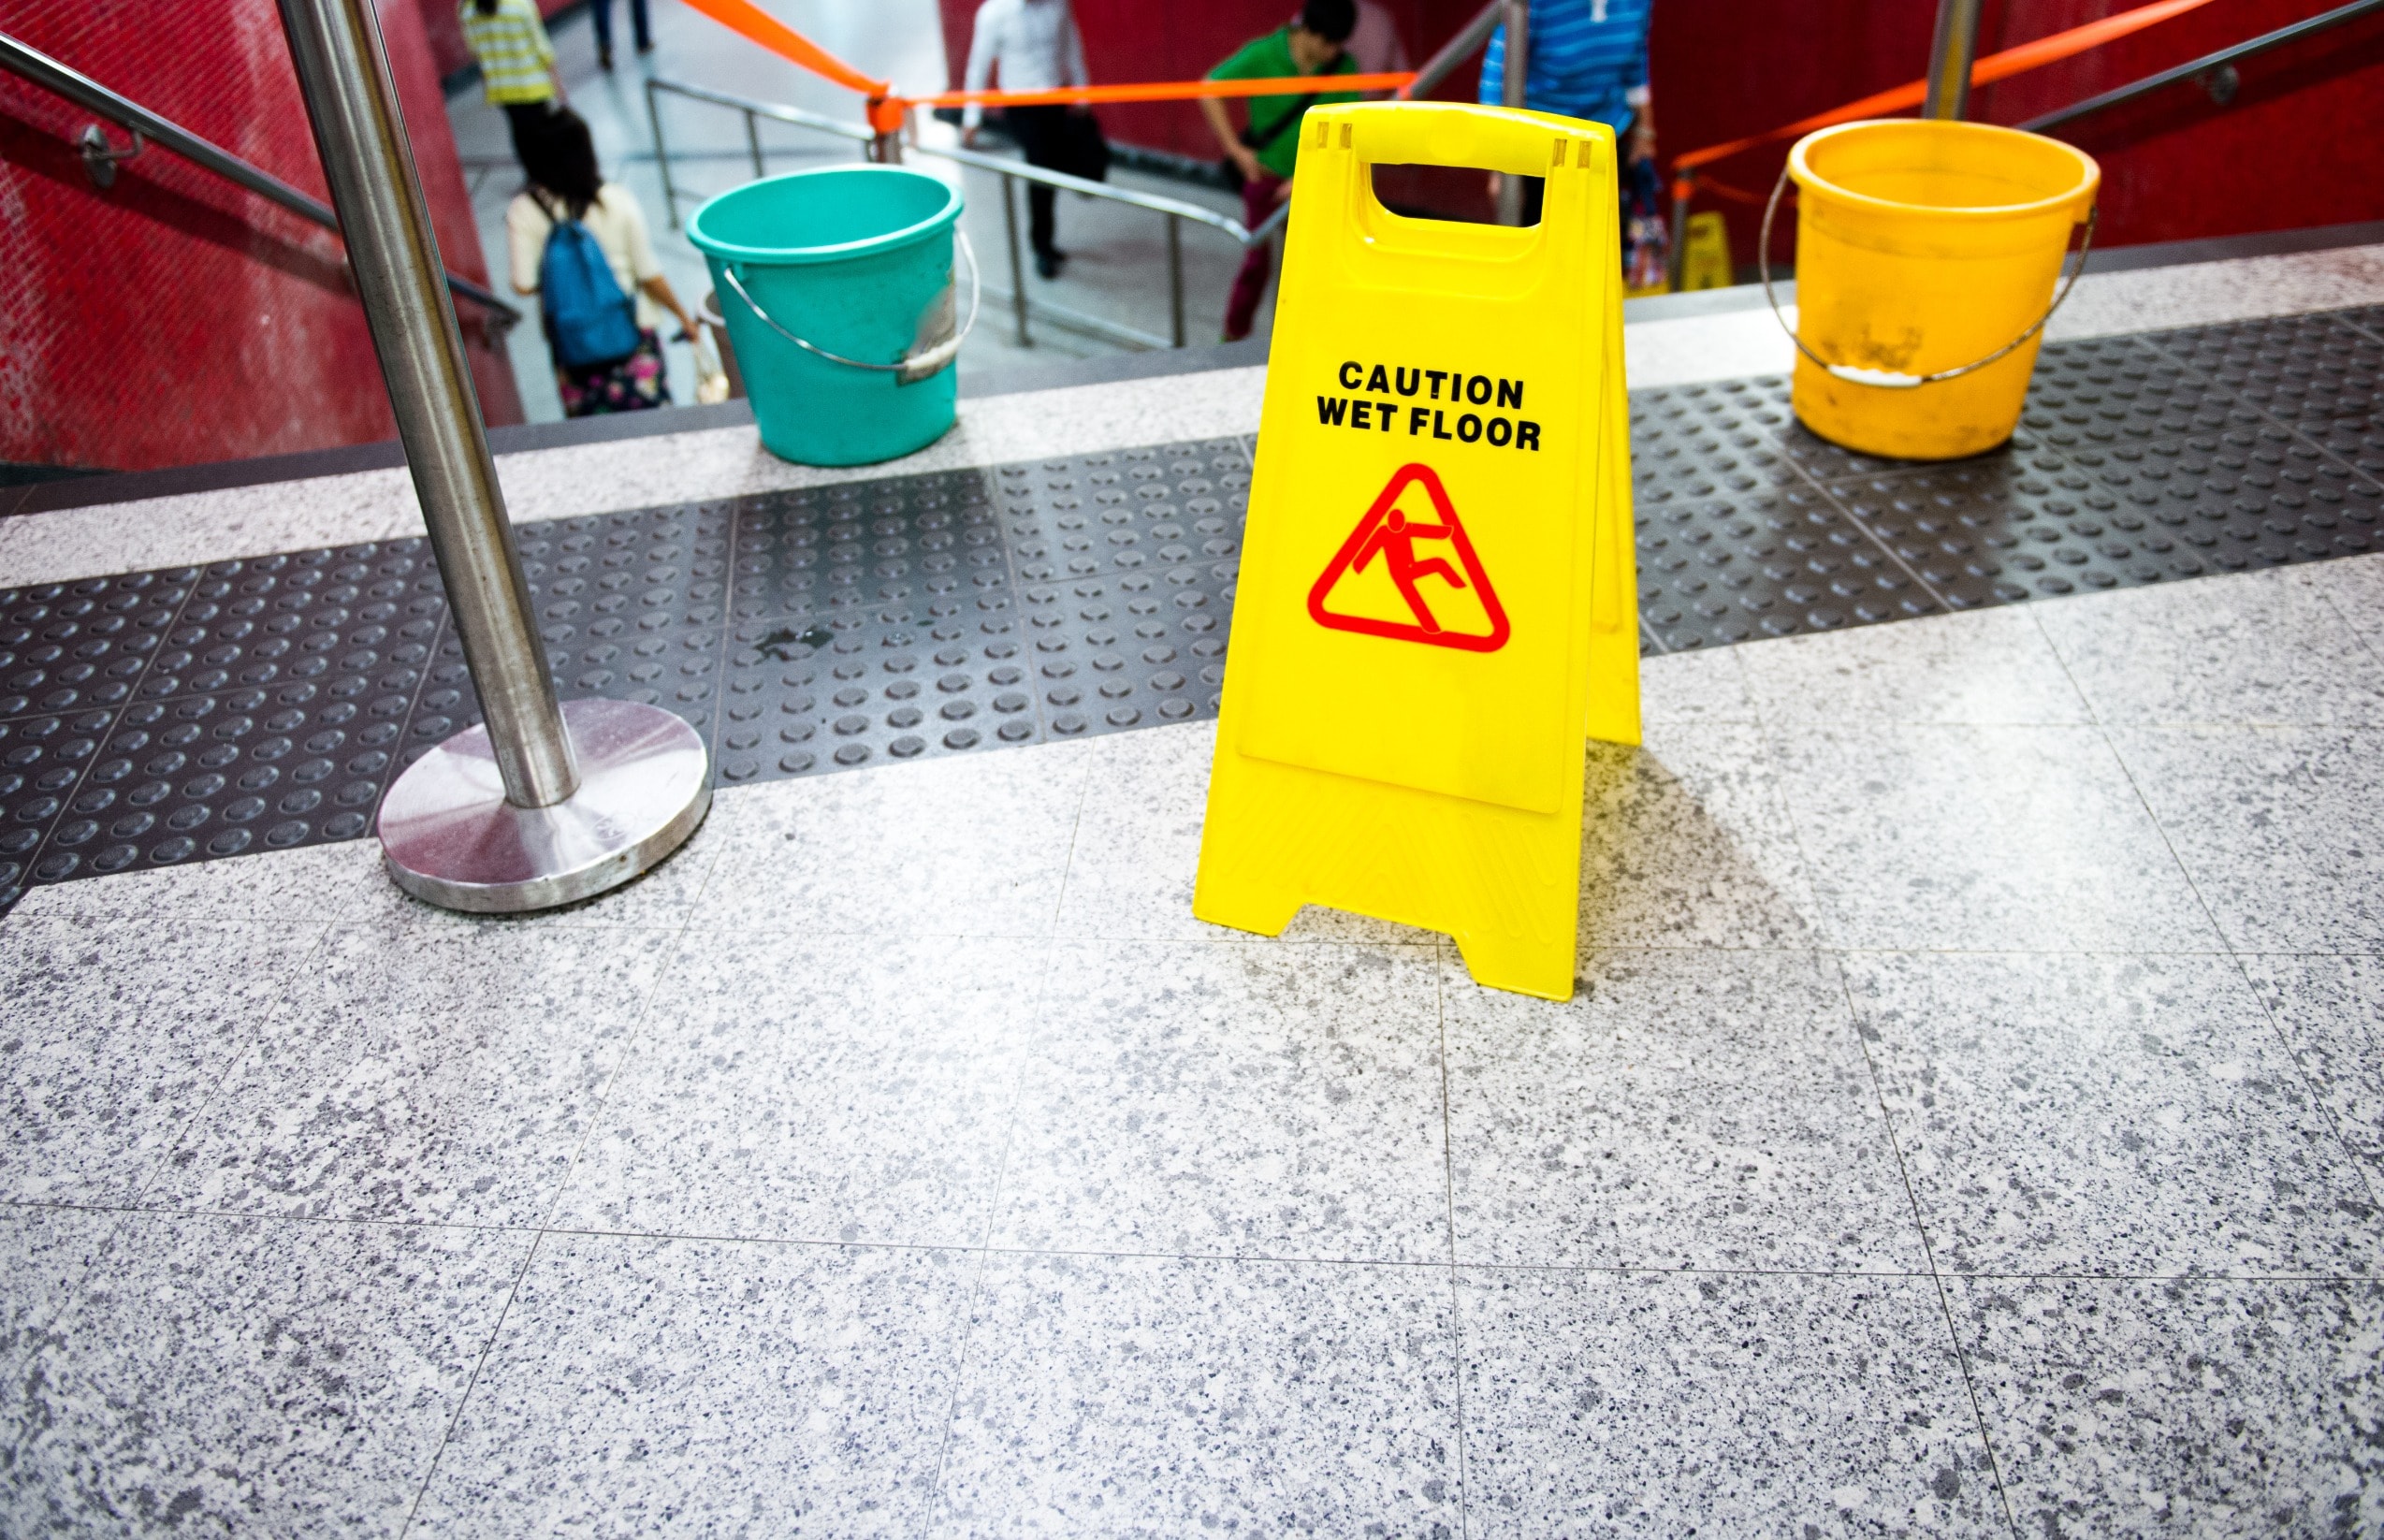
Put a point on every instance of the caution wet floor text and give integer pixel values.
(1437, 601)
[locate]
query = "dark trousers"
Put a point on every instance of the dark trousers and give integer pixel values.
(1257, 264)
(601, 13)
(1043, 136)
(523, 119)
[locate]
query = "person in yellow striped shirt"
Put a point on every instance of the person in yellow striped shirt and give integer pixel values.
(516, 62)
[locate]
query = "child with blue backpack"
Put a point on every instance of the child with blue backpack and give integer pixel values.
(579, 244)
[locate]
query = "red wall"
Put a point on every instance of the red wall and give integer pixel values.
(2300, 145)
(175, 319)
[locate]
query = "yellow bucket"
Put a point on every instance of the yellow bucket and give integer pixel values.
(1926, 256)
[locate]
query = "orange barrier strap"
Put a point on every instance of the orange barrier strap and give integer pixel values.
(1995, 66)
(1165, 91)
(755, 24)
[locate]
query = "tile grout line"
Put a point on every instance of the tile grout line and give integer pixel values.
(1895, 1147)
(545, 1226)
(115, 720)
(2231, 951)
(1448, 1194)
(984, 1247)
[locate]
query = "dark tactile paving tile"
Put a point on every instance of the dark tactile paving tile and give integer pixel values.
(2356, 443)
(2006, 527)
(1129, 649)
(859, 545)
(679, 669)
(1177, 506)
(66, 647)
(657, 569)
(2116, 390)
(854, 689)
(1692, 444)
(336, 617)
(2295, 368)
(220, 774)
(1771, 563)
(2240, 500)
(42, 760)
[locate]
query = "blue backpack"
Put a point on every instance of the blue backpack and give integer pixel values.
(588, 319)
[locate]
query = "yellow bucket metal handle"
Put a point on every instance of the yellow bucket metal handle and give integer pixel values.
(1888, 379)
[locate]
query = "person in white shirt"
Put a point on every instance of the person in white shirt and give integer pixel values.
(1036, 48)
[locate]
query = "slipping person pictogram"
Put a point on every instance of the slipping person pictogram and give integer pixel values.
(1388, 534)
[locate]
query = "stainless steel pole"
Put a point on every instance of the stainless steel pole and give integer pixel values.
(1017, 273)
(662, 155)
(1518, 68)
(344, 72)
(1950, 57)
(1175, 279)
(754, 138)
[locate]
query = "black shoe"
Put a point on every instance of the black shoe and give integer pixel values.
(646, 47)
(1049, 262)
(605, 59)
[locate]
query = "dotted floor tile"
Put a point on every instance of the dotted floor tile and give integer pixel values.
(1773, 563)
(156, 717)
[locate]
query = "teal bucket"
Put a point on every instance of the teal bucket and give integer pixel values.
(837, 286)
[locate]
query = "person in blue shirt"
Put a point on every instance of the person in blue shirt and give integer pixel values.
(1587, 59)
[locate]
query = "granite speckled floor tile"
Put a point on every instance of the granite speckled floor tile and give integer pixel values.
(1685, 841)
(2281, 829)
(1665, 1404)
(1705, 686)
(1981, 837)
(1137, 849)
(644, 1387)
(2270, 648)
(1985, 666)
(2126, 1116)
(854, 1089)
(2355, 584)
(435, 1077)
(1163, 1396)
(1685, 1109)
(116, 1035)
(45, 1254)
(1193, 1099)
(2331, 1010)
(2211, 1408)
(956, 847)
(244, 1376)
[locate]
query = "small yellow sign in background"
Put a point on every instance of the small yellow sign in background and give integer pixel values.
(1437, 604)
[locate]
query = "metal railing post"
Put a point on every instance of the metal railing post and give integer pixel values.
(1518, 67)
(662, 152)
(1684, 188)
(753, 140)
(1950, 56)
(533, 809)
(1017, 273)
(1175, 279)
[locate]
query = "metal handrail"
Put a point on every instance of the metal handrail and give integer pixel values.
(2204, 65)
(1173, 210)
(1455, 51)
(62, 81)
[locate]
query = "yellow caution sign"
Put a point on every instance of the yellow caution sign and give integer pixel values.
(1437, 602)
(1704, 262)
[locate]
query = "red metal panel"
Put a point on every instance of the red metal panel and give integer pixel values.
(2296, 147)
(175, 319)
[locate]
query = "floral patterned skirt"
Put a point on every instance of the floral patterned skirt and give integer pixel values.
(634, 384)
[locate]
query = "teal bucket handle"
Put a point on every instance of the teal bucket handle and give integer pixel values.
(913, 367)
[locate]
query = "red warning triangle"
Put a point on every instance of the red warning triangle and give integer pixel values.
(1387, 538)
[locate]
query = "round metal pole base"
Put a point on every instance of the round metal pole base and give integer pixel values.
(449, 836)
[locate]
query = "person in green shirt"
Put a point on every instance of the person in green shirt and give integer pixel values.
(516, 63)
(1267, 152)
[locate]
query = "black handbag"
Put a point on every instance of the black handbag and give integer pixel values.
(1255, 141)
